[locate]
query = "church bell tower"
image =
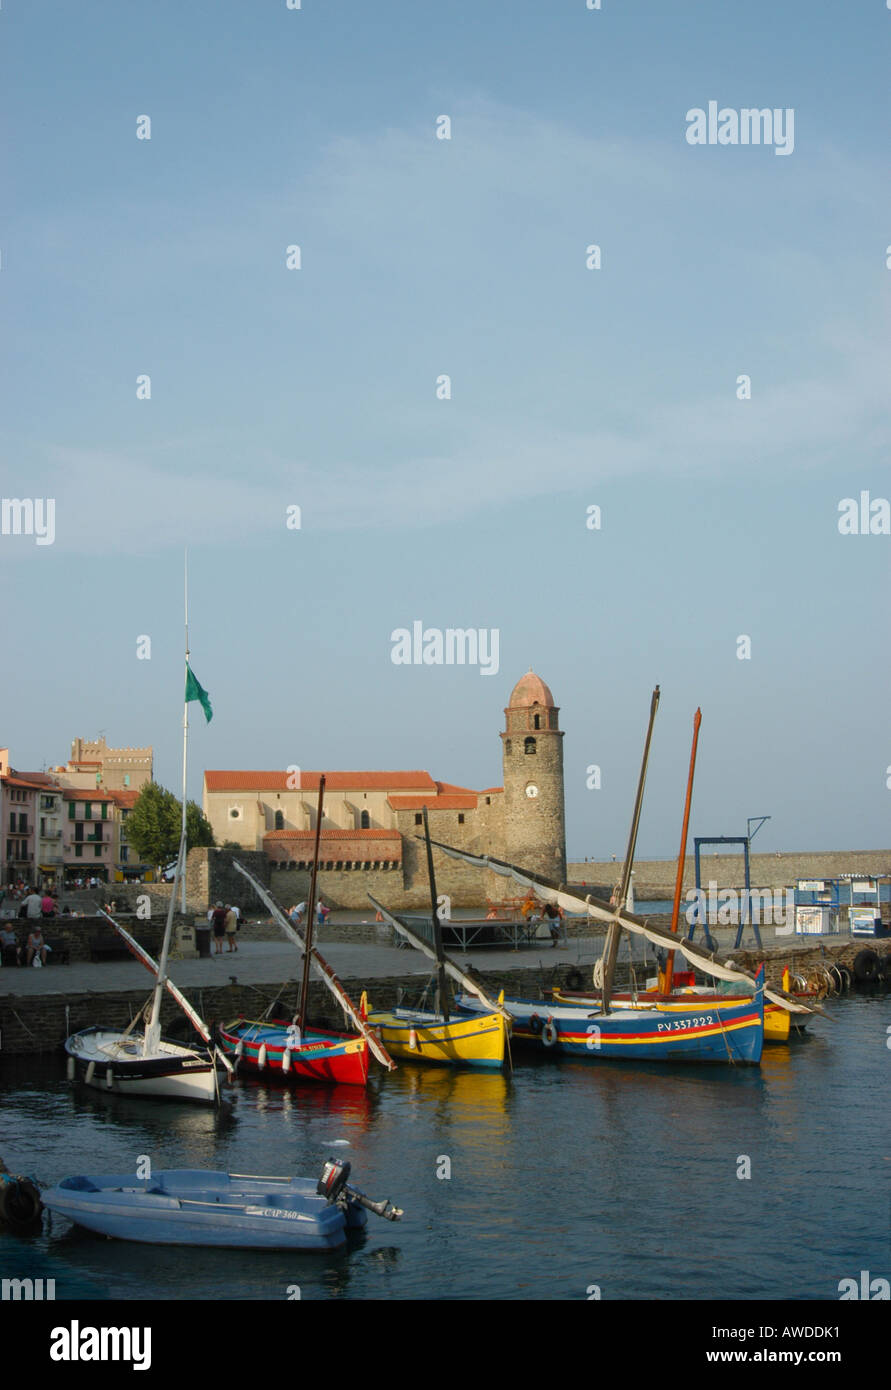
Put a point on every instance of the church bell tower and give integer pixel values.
(534, 818)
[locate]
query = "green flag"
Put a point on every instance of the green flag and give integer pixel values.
(194, 691)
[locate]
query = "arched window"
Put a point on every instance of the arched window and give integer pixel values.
(507, 746)
(529, 745)
(536, 723)
(279, 820)
(365, 821)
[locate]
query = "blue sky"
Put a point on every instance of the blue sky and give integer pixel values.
(570, 387)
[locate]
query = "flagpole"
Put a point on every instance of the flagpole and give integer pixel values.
(182, 840)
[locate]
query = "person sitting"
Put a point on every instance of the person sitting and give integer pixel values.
(36, 946)
(10, 950)
(47, 906)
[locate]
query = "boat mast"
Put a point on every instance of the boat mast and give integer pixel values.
(442, 998)
(181, 866)
(153, 1027)
(310, 908)
(679, 881)
(611, 946)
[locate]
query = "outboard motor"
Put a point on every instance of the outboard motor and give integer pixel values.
(333, 1185)
(333, 1180)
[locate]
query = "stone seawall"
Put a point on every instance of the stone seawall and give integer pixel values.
(657, 876)
(41, 1023)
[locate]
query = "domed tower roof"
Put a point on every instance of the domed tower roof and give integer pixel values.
(530, 690)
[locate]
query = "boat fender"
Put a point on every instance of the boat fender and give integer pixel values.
(239, 1049)
(866, 964)
(20, 1203)
(109, 1077)
(286, 1060)
(549, 1033)
(71, 1069)
(413, 1038)
(575, 979)
(90, 1073)
(261, 1057)
(535, 1023)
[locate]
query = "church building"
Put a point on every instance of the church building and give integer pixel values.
(371, 820)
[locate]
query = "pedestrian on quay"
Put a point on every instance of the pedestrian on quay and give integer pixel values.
(231, 927)
(33, 905)
(296, 914)
(37, 945)
(10, 950)
(47, 906)
(218, 921)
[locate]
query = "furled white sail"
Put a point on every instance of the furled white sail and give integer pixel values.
(151, 964)
(455, 971)
(699, 956)
(322, 967)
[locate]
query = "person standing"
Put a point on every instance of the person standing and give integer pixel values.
(218, 921)
(231, 927)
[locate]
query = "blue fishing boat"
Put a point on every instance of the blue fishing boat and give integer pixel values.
(660, 1034)
(196, 1207)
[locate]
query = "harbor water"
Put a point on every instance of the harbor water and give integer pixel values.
(568, 1180)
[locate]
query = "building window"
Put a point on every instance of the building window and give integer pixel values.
(279, 820)
(72, 810)
(88, 810)
(507, 746)
(364, 821)
(419, 819)
(97, 851)
(234, 813)
(461, 818)
(78, 851)
(536, 722)
(529, 745)
(488, 801)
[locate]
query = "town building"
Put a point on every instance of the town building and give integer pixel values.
(371, 820)
(93, 764)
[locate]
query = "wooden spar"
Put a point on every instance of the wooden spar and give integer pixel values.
(457, 974)
(442, 996)
(310, 909)
(679, 881)
(707, 961)
(151, 964)
(611, 947)
(327, 974)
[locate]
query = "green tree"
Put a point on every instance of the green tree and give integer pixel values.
(153, 826)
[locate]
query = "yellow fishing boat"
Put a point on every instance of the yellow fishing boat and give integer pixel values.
(423, 1036)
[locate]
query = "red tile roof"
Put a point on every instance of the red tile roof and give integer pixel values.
(436, 803)
(450, 789)
(223, 781)
(127, 798)
(78, 794)
(16, 781)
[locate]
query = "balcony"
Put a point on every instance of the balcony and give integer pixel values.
(50, 834)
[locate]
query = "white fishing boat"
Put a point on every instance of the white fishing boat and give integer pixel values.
(138, 1061)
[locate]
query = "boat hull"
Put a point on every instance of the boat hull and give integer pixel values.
(334, 1058)
(419, 1036)
(776, 1019)
(189, 1207)
(731, 1036)
(106, 1060)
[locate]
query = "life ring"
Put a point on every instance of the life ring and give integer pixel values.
(549, 1033)
(20, 1204)
(575, 979)
(866, 964)
(535, 1024)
